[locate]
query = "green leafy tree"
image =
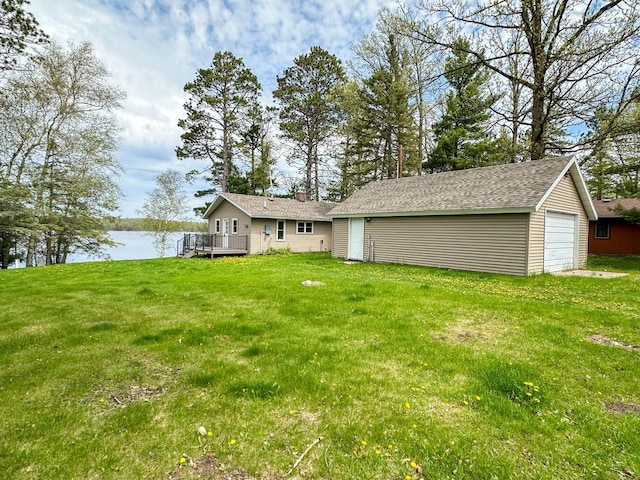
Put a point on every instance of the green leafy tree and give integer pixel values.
(57, 144)
(18, 30)
(165, 209)
(381, 121)
(420, 62)
(631, 215)
(220, 101)
(613, 169)
(309, 111)
(461, 135)
(565, 57)
(257, 146)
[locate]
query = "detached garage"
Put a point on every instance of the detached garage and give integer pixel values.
(517, 219)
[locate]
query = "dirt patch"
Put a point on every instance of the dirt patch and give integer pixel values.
(612, 342)
(620, 407)
(471, 331)
(135, 393)
(210, 468)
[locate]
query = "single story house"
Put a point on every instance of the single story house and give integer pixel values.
(611, 233)
(518, 219)
(255, 223)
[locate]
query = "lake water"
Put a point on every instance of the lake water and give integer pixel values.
(131, 246)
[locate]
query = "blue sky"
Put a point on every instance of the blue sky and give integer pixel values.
(153, 47)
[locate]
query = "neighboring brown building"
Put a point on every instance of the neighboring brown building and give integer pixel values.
(612, 234)
(269, 223)
(518, 219)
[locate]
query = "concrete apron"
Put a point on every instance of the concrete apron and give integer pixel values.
(589, 273)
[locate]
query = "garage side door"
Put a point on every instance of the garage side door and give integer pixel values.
(559, 242)
(356, 239)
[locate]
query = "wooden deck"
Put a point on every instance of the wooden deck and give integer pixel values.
(193, 244)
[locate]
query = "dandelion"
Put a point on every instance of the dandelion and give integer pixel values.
(465, 402)
(291, 412)
(529, 394)
(182, 459)
(536, 389)
(232, 442)
(536, 399)
(378, 452)
(102, 400)
(413, 464)
(390, 447)
(364, 443)
(407, 404)
(529, 384)
(407, 477)
(478, 397)
(414, 426)
(209, 434)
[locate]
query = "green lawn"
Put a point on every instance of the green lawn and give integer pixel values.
(108, 370)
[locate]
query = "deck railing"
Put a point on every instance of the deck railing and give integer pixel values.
(207, 242)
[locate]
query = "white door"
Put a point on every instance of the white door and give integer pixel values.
(560, 242)
(356, 239)
(225, 233)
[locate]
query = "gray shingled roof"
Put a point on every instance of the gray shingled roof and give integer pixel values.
(605, 208)
(510, 187)
(281, 208)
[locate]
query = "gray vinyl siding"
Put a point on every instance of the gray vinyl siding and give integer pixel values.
(564, 198)
(340, 238)
(487, 243)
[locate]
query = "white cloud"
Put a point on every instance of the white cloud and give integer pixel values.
(153, 47)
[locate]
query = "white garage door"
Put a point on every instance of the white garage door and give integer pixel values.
(559, 242)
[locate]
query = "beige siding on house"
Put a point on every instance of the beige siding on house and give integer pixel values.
(319, 241)
(340, 238)
(258, 242)
(488, 243)
(230, 211)
(564, 198)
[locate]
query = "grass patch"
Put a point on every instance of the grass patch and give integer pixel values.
(108, 369)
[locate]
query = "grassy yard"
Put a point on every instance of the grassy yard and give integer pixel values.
(383, 372)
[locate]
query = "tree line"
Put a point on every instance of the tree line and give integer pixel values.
(58, 135)
(436, 87)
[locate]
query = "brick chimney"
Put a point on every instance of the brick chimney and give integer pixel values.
(301, 197)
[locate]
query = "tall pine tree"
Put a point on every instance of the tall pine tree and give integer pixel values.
(307, 97)
(462, 136)
(381, 121)
(220, 99)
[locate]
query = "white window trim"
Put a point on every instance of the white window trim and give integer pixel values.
(304, 228)
(235, 226)
(284, 231)
(216, 226)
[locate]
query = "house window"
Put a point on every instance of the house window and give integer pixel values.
(234, 226)
(217, 226)
(305, 227)
(281, 227)
(602, 230)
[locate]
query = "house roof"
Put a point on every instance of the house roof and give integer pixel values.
(267, 207)
(605, 208)
(510, 188)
